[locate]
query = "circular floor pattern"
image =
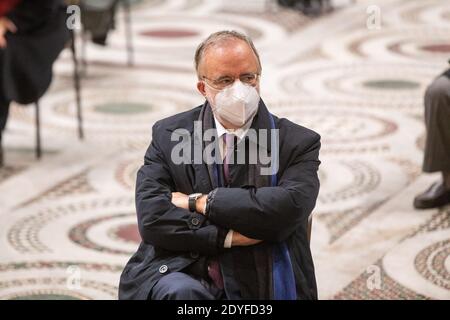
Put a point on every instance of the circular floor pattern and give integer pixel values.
(46, 295)
(422, 43)
(433, 263)
(52, 280)
(352, 189)
(432, 13)
(420, 142)
(440, 48)
(338, 125)
(113, 112)
(421, 48)
(419, 263)
(372, 85)
(40, 288)
(126, 173)
(119, 175)
(389, 290)
(177, 34)
(126, 232)
(47, 230)
(123, 232)
(356, 178)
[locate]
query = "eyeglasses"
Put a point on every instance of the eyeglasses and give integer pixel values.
(227, 81)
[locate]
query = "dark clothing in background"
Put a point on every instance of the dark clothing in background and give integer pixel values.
(98, 18)
(4, 111)
(26, 63)
(437, 121)
(177, 240)
(307, 7)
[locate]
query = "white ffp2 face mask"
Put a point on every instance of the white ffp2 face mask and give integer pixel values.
(236, 104)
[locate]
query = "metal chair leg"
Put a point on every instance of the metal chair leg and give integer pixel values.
(38, 132)
(1, 151)
(309, 228)
(128, 32)
(84, 65)
(76, 78)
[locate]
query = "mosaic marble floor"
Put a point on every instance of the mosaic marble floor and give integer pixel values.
(68, 224)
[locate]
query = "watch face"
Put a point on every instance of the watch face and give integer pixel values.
(195, 195)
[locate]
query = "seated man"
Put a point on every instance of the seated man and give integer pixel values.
(235, 227)
(437, 148)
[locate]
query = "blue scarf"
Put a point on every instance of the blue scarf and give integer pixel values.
(282, 272)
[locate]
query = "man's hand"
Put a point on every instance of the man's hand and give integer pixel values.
(180, 200)
(240, 240)
(5, 26)
(200, 204)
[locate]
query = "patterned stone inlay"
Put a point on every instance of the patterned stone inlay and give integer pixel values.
(169, 33)
(24, 237)
(55, 282)
(391, 84)
(440, 48)
(127, 232)
(44, 295)
(78, 234)
(123, 108)
(365, 179)
(431, 263)
(360, 289)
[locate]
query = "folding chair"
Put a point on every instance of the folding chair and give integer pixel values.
(77, 85)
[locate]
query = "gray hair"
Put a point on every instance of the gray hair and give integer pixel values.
(221, 36)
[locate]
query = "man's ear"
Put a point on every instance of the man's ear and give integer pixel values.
(201, 88)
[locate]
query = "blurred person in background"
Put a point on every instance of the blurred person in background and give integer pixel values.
(98, 18)
(308, 7)
(32, 34)
(437, 147)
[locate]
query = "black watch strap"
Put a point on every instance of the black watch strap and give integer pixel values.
(192, 201)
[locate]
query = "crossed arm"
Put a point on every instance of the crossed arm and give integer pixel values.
(266, 214)
(181, 200)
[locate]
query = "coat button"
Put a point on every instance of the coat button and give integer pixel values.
(163, 269)
(195, 221)
(194, 255)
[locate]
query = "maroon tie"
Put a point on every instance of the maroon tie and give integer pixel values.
(228, 149)
(214, 273)
(214, 266)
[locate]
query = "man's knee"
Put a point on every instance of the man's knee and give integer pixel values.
(179, 286)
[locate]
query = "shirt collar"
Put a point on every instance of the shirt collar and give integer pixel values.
(239, 133)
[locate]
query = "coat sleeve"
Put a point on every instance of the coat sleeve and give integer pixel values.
(161, 223)
(271, 213)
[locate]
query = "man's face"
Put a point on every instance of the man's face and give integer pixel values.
(232, 58)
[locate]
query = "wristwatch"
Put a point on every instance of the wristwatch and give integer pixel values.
(192, 201)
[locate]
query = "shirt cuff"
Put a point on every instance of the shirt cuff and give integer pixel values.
(228, 239)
